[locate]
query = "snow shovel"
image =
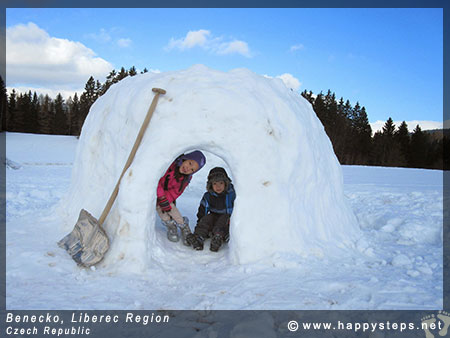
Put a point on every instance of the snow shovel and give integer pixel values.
(88, 242)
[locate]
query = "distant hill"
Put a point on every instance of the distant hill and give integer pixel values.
(438, 133)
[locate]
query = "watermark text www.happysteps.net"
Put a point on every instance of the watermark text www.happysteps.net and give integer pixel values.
(432, 326)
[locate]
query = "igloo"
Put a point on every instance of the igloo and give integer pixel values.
(289, 184)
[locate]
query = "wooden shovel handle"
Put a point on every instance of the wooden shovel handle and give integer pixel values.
(139, 137)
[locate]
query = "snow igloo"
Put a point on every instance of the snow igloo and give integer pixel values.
(288, 181)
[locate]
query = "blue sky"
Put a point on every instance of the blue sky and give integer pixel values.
(390, 60)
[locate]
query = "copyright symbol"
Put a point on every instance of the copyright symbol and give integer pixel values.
(292, 326)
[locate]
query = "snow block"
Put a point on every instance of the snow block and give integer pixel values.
(287, 178)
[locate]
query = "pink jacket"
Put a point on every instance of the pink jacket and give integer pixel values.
(169, 186)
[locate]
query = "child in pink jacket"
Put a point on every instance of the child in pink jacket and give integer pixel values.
(170, 187)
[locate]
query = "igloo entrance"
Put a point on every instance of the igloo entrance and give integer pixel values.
(189, 201)
(288, 181)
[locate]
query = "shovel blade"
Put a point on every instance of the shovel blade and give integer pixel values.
(88, 242)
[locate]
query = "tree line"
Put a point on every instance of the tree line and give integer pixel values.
(41, 114)
(347, 126)
(350, 133)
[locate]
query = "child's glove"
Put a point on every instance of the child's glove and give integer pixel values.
(164, 204)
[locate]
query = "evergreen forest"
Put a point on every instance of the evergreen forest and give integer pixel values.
(347, 126)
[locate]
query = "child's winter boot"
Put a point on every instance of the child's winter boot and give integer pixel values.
(216, 243)
(185, 230)
(196, 241)
(172, 230)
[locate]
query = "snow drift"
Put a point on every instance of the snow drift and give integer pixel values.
(288, 181)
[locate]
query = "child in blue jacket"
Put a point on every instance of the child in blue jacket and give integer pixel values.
(214, 212)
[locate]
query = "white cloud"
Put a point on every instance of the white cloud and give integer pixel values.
(297, 47)
(65, 93)
(205, 40)
(3, 57)
(424, 125)
(124, 43)
(108, 36)
(290, 81)
(198, 38)
(34, 58)
(236, 46)
(192, 39)
(103, 36)
(50, 92)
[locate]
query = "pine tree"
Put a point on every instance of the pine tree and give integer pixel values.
(3, 105)
(21, 113)
(122, 74)
(402, 138)
(356, 117)
(348, 110)
(132, 71)
(74, 113)
(392, 152)
(12, 103)
(98, 90)
(386, 151)
(377, 149)
(342, 128)
(33, 126)
(362, 137)
(110, 80)
(389, 128)
(69, 115)
(308, 95)
(90, 91)
(60, 122)
(85, 105)
(435, 154)
(45, 117)
(419, 145)
(331, 113)
(446, 152)
(319, 108)
(26, 109)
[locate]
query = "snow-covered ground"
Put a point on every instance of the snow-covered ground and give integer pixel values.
(397, 264)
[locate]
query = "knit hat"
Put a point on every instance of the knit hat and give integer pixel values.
(215, 175)
(196, 156)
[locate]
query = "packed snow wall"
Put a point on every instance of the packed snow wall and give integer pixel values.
(288, 181)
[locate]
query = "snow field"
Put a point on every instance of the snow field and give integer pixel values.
(396, 264)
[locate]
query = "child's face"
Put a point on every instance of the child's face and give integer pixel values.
(218, 187)
(188, 167)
